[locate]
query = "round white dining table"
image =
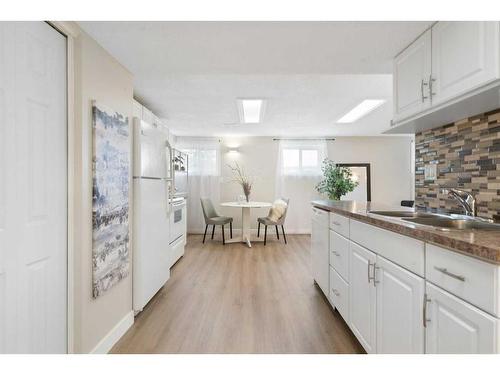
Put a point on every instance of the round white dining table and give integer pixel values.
(245, 219)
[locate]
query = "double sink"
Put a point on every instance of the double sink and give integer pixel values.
(439, 221)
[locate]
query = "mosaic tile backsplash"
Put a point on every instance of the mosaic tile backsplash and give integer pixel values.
(467, 156)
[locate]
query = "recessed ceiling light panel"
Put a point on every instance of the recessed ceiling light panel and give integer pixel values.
(250, 111)
(361, 110)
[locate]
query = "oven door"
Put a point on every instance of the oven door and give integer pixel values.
(177, 220)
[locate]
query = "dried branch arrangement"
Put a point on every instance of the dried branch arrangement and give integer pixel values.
(243, 180)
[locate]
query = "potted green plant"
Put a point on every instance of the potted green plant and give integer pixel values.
(337, 180)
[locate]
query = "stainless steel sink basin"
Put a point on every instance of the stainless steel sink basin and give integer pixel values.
(445, 223)
(403, 214)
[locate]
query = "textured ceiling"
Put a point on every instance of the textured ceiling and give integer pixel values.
(311, 73)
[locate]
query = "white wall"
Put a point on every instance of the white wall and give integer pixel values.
(391, 164)
(258, 156)
(389, 157)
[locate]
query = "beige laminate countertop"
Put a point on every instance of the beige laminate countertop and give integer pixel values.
(482, 244)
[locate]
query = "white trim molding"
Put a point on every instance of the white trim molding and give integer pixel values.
(71, 31)
(112, 337)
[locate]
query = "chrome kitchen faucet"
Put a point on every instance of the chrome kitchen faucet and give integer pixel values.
(466, 200)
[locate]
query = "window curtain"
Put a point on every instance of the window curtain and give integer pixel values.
(298, 184)
(204, 177)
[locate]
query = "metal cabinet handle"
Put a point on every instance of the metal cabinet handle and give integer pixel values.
(424, 315)
(431, 80)
(336, 223)
(335, 253)
(375, 268)
(448, 273)
(336, 292)
(422, 84)
(371, 277)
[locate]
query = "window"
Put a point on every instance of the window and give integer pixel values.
(310, 159)
(202, 162)
(291, 159)
(301, 161)
(203, 156)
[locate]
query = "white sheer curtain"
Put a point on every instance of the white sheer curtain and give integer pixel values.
(298, 171)
(204, 177)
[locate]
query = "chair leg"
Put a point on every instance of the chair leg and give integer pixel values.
(277, 233)
(283, 230)
(231, 229)
(265, 234)
(223, 238)
(213, 231)
(205, 234)
(258, 230)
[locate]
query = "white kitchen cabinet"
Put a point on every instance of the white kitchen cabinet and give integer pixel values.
(412, 70)
(320, 249)
(147, 115)
(450, 72)
(465, 55)
(403, 250)
(362, 296)
(339, 224)
(339, 293)
(339, 254)
(137, 109)
(467, 278)
(156, 121)
(456, 327)
(400, 297)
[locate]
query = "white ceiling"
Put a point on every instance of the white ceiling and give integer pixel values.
(311, 73)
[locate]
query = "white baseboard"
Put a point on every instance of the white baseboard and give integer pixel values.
(112, 337)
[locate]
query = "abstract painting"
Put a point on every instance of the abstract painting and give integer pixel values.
(110, 200)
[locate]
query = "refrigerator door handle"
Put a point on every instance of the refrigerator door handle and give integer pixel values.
(169, 161)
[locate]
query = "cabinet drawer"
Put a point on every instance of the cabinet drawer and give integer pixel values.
(339, 294)
(339, 224)
(339, 254)
(470, 279)
(402, 250)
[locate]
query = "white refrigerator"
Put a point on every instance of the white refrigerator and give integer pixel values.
(151, 235)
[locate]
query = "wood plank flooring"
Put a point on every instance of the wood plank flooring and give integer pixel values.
(232, 299)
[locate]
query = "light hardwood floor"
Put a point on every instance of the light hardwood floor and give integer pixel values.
(232, 299)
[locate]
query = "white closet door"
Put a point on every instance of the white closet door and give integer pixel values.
(33, 189)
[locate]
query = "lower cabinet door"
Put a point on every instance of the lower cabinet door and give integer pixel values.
(400, 297)
(456, 327)
(362, 296)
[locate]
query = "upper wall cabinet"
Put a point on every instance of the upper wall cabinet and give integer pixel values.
(412, 69)
(137, 110)
(450, 72)
(147, 115)
(464, 57)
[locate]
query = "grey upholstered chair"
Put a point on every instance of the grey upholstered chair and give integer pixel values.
(213, 218)
(281, 221)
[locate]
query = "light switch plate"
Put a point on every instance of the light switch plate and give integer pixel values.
(430, 172)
